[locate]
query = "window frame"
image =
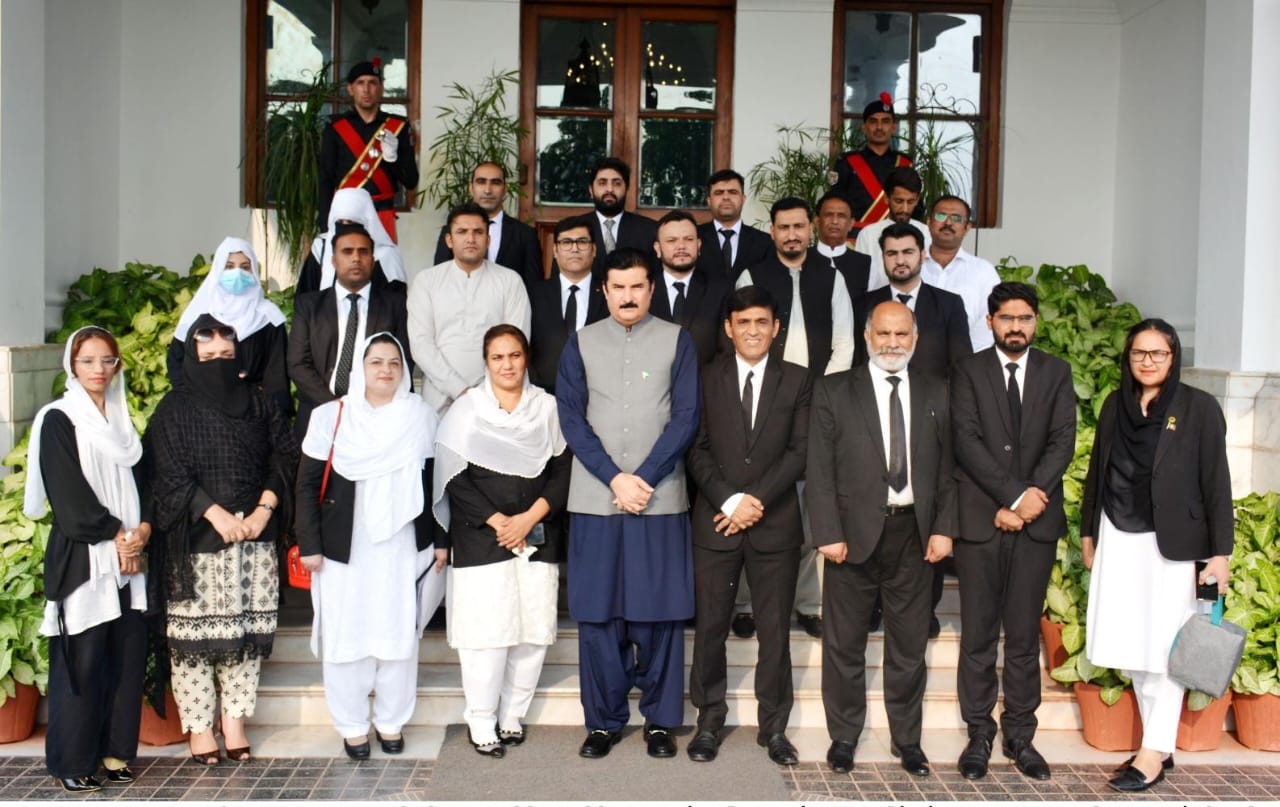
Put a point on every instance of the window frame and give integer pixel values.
(257, 100)
(987, 142)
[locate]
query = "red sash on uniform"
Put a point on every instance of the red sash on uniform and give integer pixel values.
(368, 168)
(879, 207)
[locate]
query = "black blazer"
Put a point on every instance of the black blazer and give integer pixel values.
(847, 476)
(766, 463)
(548, 333)
(314, 340)
(324, 528)
(986, 478)
(944, 328)
(633, 230)
(703, 315)
(1190, 480)
(519, 250)
(856, 269)
(753, 247)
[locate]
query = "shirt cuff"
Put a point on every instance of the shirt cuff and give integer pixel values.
(1017, 501)
(731, 504)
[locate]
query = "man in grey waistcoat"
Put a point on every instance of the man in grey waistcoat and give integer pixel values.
(628, 396)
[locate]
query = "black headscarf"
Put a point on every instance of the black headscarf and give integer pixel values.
(216, 383)
(1127, 492)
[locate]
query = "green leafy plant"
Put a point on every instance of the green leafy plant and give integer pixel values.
(24, 653)
(477, 128)
(799, 167)
(1253, 599)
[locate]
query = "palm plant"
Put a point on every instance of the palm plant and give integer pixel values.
(799, 167)
(477, 128)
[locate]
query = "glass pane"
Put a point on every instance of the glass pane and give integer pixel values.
(877, 51)
(376, 29)
(675, 161)
(286, 120)
(679, 66)
(566, 146)
(299, 40)
(950, 63)
(575, 63)
(944, 156)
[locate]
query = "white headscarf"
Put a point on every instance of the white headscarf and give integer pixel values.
(384, 448)
(247, 313)
(108, 446)
(355, 204)
(477, 430)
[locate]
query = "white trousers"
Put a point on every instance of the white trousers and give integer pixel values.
(1160, 704)
(394, 685)
(498, 684)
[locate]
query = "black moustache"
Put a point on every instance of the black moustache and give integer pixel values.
(629, 305)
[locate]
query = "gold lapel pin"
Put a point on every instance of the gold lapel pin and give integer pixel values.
(1172, 425)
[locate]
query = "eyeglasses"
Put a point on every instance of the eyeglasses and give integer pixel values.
(1009, 319)
(102, 361)
(207, 334)
(954, 218)
(1155, 356)
(573, 244)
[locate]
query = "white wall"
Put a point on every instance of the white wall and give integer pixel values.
(1260, 339)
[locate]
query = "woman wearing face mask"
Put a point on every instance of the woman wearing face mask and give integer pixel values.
(233, 294)
(223, 459)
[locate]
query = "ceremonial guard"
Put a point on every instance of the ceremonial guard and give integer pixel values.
(859, 175)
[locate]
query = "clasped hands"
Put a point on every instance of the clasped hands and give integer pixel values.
(1032, 506)
(129, 546)
(745, 516)
(631, 494)
(236, 528)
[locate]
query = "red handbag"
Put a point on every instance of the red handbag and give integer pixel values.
(299, 575)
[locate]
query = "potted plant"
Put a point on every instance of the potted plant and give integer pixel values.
(1253, 602)
(800, 167)
(1201, 723)
(477, 128)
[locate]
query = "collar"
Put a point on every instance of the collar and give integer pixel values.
(464, 272)
(881, 377)
(736, 227)
(342, 291)
(914, 291)
(617, 221)
(671, 279)
(832, 252)
(497, 219)
(583, 284)
(639, 326)
(960, 259)
(1021, 362)
(744, 368)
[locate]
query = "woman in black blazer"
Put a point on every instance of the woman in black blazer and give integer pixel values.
(1159, 493)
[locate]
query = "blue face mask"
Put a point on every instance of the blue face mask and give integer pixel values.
(237, 281)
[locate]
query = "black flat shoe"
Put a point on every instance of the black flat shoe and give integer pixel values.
(1167, 764)
(743, 626)
(812, 624)
(703, 747)
(912, 759)
(1131, 780)
(493, 749)
(395, 746)
(80, 784)
(781, 751)
(511, 737)
(357, 752)
(975, 758)
(661, 744)
(121, 776)
(840, 756)
(598, 743)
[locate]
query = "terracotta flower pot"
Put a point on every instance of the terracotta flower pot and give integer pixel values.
(1258, 721)
(1109, 728)
(1055, 654)
(18, 715)
(1202, 730)
(157, 730)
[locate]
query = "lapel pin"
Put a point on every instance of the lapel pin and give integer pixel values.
(1172, 425)
(644, 375)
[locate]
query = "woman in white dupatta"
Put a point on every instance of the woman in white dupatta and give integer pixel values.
(502, 479)
(368, 544)
(83, 457)
(351, 204)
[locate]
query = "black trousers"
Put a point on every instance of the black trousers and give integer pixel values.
(106, 663)
(771, 577)
(1002, 582)
(897, 572)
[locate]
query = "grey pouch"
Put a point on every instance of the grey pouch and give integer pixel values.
(1206, 652)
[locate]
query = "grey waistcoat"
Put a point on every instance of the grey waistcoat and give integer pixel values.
(628, 406)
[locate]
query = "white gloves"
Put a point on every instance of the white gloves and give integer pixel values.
(390, 146)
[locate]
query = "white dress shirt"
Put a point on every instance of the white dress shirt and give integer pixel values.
(344, 308)
(972, 278)
(914, 293)
(796, 350)
(868, 243)
(883, 389)
(583, 297)
(495, 236)
(671, 281)
(757, 371)
(1022, 363)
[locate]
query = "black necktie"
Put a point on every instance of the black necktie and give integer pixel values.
(905, 298)
(677, 309)
(748, 395)
(1015, 412)
(727, 249)
(571, 310)
(343, 376)
(897, 439)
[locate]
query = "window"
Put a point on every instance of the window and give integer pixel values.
(288, 41)
(941, 62)
(650, 84)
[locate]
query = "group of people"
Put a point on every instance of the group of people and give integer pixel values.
(707, 422)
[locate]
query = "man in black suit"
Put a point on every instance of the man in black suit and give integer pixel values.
(744, 245)
(832, 226)
(611, 226)
(1013, 417)
(565, 302)
(512, 243)
(693, 300)
(882, 504)
(748, 456)
(940, 315)
(329, 326)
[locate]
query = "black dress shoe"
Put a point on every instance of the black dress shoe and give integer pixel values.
(598, 744)
(1167, 764)
(744, 626)
(781, 751)
(661, 743)
(1027, 758)
(703, 747)
(840, 756)
(912, 759)
(1131, 780)
(80, 784)
(935, 627)
(395, 746)
(877, 618)
(121, 776)
(812, 624)
(359, 751)
(974, 758)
